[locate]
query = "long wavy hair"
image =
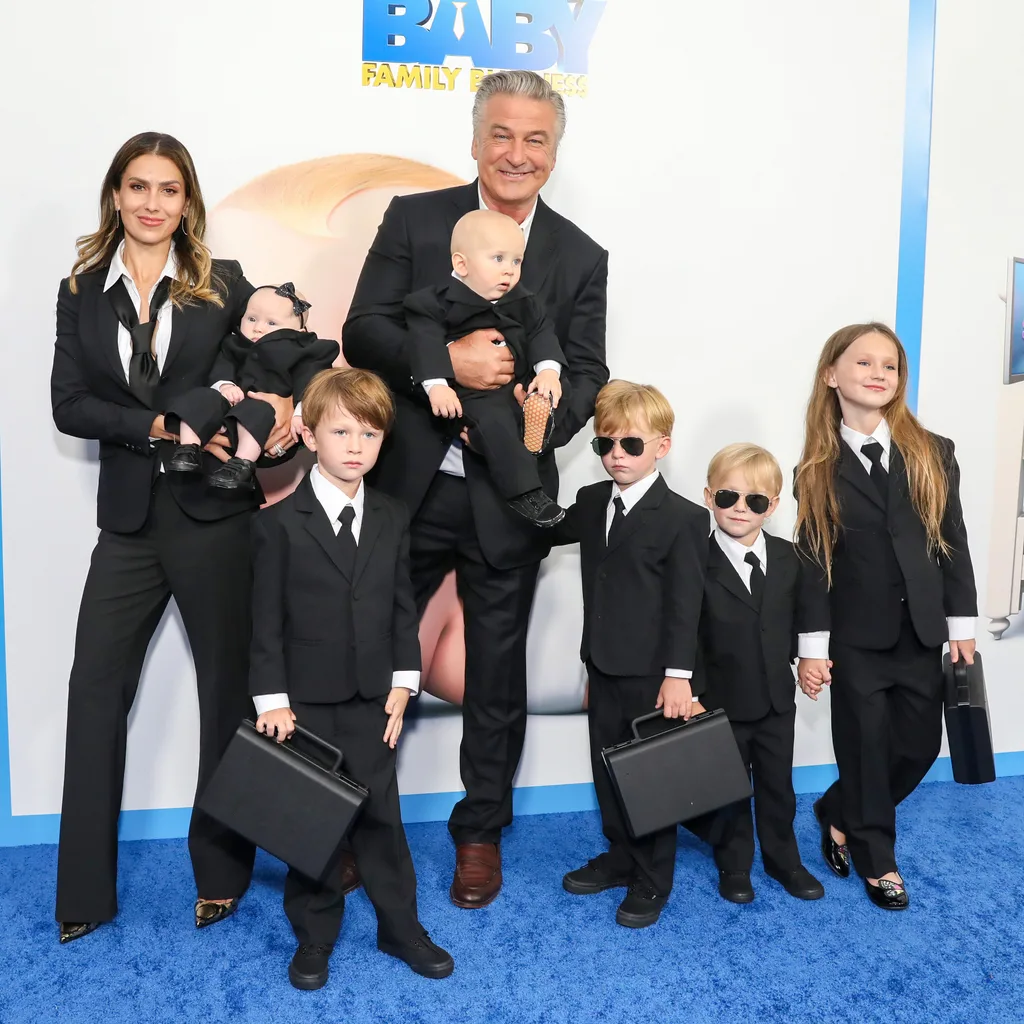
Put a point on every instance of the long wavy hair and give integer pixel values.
(818, 514)
(195, 280)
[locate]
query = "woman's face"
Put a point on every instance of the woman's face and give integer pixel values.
(151, 199)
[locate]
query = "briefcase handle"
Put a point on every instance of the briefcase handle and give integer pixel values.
(961, 683)
(329, 748)
(659, 714)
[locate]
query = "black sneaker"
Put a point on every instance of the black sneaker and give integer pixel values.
(641, 907)
(234, 475)
(309, 968)
(538, 508)
(422, 955)
(593, 877)
(186, 458)
(800, 883)
(735, 886)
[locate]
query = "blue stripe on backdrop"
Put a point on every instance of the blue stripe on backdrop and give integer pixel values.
(167, 823)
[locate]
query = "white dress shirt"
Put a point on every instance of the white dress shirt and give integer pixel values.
(630, 496)
(333, 500)
(737, 552)
(815, 645)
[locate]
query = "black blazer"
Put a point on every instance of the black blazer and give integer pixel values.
(745, 661)
(302, 632)
(282, 362)
(882, 555)
(436, 315)
(91, 397)
(568, 273)
(642, 595)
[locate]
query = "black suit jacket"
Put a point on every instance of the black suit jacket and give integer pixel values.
(746, 653)
(436, 315)
(882, 554)
(282, 362)
(565, 269)
(303, 637)
(91, 397)
(642, 595)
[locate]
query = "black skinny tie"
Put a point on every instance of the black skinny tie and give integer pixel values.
(756, 577)
(618, 520)
(346, 538)
(880, 478)
(143, 372)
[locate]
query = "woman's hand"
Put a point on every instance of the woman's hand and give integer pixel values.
(218, 446)
(159, 433)
(284, 409)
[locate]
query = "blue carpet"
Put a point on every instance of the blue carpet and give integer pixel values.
(539, 954)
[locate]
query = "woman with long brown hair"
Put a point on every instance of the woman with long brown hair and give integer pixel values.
(879, 518)
(139, 321)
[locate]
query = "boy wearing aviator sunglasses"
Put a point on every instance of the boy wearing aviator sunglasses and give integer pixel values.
(747, 646)
(642, 552)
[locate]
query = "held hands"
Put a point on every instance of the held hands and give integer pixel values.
(961, 649)
(280, 722)
(444, 402)
(232, 392)
(677, 700)
(397, 700)
(812, 674)
(479, 363)
(547, 383)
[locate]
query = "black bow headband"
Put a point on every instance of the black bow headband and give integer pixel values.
(287, 291)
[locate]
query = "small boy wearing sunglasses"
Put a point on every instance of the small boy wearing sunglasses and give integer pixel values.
(643, 550)
(747, 645)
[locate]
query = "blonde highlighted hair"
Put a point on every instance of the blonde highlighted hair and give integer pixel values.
(621, 404)
(195, 279)
(818, 514)
(756, 463)
(362, 393)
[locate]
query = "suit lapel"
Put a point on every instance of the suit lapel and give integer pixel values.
(637, 516)
(899, 482)
(181, 325)
(318, 524)
(107, 333)
(465, 200)
(540, 253)
(777, 572)
(852, 469)
(369, 531)
(721, 569)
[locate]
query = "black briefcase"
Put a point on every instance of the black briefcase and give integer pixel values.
(968, 727)
(677, 774)
(285, 797)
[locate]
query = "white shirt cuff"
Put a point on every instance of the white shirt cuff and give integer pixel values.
(220, 384)
(548, 364)
(428, 384)
(297, 411)
(813, 645)
(679, 673)
(961, 627)
(270, 702)
(409, 679)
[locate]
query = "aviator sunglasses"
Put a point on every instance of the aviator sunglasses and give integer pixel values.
(757, 503)
(633, 446)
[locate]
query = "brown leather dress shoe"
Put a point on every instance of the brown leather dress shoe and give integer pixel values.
(477, 879)
(350, 880)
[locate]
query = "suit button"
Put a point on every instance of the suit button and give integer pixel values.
(355, 597)
(603, 576)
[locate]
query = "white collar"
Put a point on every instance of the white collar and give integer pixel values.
(856, 440)
(737, 552)
(332, 498)
(526, 225)
(632, 494)
(118, 269)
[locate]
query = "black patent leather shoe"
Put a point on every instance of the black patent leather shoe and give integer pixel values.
(309, 968)
(887, 895)
(836, 855)
(593, 877)
(234, 475)
(208, 912)
(800, 883)
(71, 930)
(423, 956)
(735, 886)
(186, 458)
(641, 907)
(538, 508)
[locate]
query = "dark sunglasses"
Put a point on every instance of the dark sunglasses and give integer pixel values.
(757, 503)
(630, 445)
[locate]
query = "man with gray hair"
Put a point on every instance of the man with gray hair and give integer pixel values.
(459, 521)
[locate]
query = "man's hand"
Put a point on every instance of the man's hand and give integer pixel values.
(676, 698)
(232, 392)
(395, 708)
(813, 674)
(280, 722)
(479, 363)
(961, 649)
(444, 402)
(547, 383)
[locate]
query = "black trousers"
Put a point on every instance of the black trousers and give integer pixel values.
(613, 702)
(766, 747)
(495, 422)
(377, 839)
(205, 566)
(496, 605)
(206, 411)
(886, 731)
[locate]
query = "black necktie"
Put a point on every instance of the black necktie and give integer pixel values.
(143, 372)
(346, 538)
(879, 477)
(756, 577)
(618, 520)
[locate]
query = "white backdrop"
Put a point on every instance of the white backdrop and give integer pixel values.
(741, 162)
